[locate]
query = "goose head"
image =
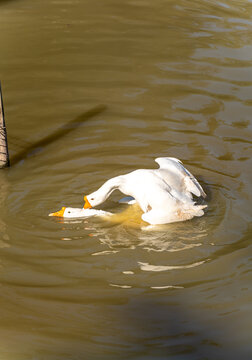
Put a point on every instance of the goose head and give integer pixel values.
(68, 212)
(94, 199)
(100, 195)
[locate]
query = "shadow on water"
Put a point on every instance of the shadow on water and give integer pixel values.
(6, 1)
(168, 329)
(59, 133)
(154, 327)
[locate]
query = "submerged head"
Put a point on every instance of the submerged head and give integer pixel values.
(68, 212)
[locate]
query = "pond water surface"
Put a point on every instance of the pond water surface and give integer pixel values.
(169, 78)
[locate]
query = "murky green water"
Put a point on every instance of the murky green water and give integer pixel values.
(175, 79)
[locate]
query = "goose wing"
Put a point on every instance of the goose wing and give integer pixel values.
(174, 169)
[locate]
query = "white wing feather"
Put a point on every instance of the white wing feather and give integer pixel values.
(174, 169)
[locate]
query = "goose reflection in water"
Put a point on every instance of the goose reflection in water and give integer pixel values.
(127, 230)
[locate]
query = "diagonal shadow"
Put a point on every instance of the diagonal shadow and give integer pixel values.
(6, 1)
(59, 133)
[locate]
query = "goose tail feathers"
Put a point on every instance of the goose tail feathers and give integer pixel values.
(196, 210)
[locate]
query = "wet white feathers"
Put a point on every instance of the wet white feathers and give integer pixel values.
(178, 177)
(164, 194)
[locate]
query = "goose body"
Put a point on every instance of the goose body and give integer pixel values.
(164, 194)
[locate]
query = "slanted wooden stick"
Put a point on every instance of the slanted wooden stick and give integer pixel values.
(4, 154)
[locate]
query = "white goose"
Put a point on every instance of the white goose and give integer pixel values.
(72, 213)
(164, 194)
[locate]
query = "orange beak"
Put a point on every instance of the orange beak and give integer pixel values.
(87, 205)
(59, 213)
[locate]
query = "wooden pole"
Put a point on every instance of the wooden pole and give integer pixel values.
(4, 154)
